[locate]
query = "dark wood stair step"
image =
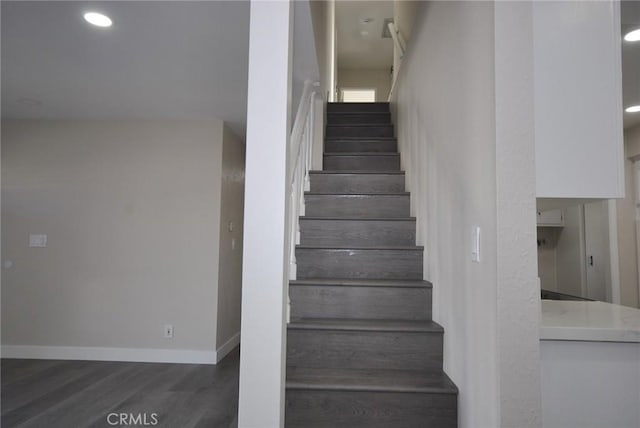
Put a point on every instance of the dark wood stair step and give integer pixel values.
(362, 161)
(357, 181)
(391, 262)
(336, 324)
(362, 130)
(351, 205)
(358, 232)
(347, 145)
(357, 107)
(363, 282)
(415, 381)
(365, 344)
(369, 399)
(360, 299)
(359, 118)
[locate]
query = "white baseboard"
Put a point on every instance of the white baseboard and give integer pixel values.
(143, 355)
(227, 347)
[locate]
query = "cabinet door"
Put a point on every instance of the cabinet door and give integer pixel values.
(578, 99)
(551, 218)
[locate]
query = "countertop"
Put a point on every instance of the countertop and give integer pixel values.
(589, 321)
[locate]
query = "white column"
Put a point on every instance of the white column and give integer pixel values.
(518, 292)
(262, 355)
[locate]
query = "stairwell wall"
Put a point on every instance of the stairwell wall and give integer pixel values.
(132, 213)
(452, 119)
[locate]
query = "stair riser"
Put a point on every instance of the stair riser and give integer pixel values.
(362, 163)
(358, 118)
(364, 349)
(362, 264)
(319, 301)
(357, 232)
(366, 409)
(357, 107)
(357, 183)
(346, 146)
(367, 206)
(338, 131)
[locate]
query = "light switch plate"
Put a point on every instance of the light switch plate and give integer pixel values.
(37, 240)
(475, 244)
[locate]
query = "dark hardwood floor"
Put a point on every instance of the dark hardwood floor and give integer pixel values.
(69, 394)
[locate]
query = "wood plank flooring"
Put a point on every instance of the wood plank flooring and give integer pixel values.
(70, 394)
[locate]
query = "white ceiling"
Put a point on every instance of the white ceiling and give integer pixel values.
(630, 19)
(358, 51)
(185, 60)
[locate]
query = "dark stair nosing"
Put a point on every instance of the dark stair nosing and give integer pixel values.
(404, 326)
(357, 194)
(361, 247)
(357, 171)
(399, 283)
(374, 380)
(302, 218)
(361, 154)
(373, 138)
(356, 125)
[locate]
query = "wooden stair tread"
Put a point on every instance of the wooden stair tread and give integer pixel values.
(303, 218)
(363, 282)
(347, 172)
(414, 381)
(360, 247)
(365, 325)
(359, 194)
(361, 154)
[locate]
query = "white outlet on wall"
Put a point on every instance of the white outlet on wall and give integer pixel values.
(168, 331)
(37, 240)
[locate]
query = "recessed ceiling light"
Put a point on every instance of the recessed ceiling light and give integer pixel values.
(98, 19)
(633, 36)
(632, 109)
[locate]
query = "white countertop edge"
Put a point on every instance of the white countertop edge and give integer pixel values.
(588, 335)
(589, 321)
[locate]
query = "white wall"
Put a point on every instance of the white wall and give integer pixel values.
(380, 80)
(547, 241)
(305, 59)
(626, 211)
(230, 248)
(467, 162)
(578, 108)
(570, 253)
(320, 17)
(131, 210)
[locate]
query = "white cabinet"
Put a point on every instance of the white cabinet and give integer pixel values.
(578, 100)
(553, 218)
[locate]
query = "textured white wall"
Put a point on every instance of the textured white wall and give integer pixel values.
(131, 212)
(231, 211)
(626, 209)
(446, 133)
(518, 290)
(464, 114)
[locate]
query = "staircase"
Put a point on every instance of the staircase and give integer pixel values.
(362, 350)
